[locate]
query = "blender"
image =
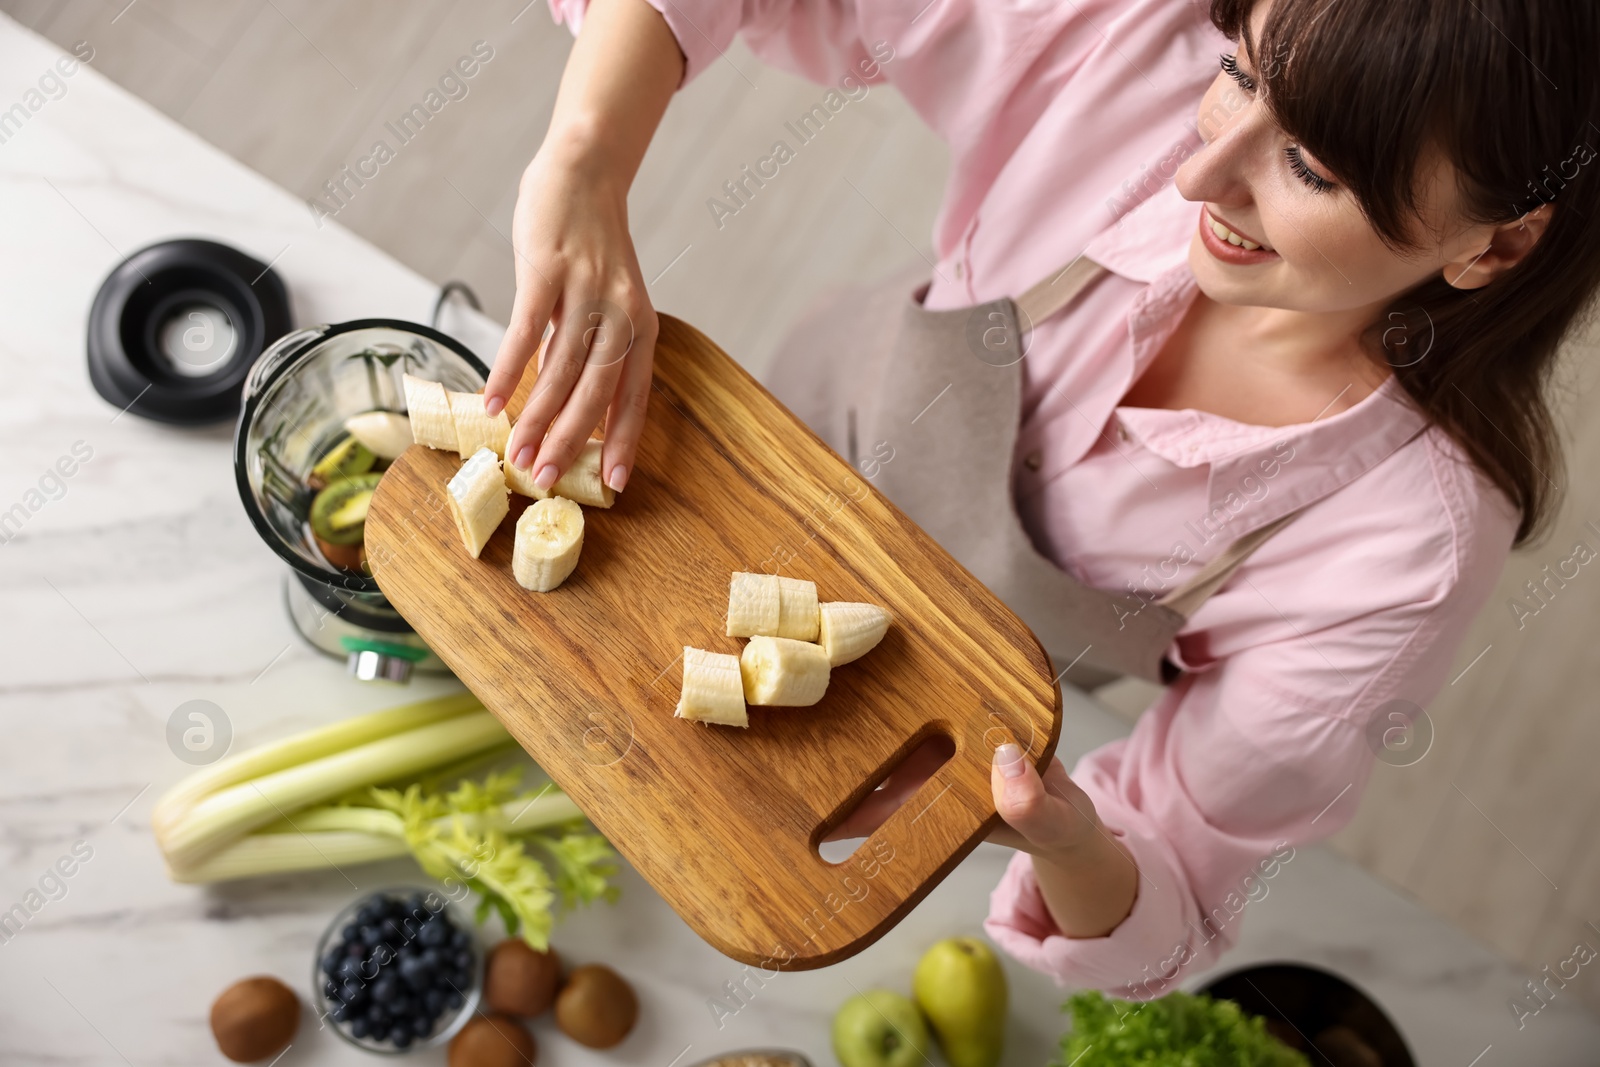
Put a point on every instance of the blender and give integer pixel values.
(297, 397)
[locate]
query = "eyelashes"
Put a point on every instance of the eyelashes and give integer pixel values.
(1230, 67)
(1297, 164)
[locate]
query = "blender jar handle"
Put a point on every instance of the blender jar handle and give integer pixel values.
(277, 354)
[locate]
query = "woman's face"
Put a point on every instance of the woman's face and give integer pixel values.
(1314, 249)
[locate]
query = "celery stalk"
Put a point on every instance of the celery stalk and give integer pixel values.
(314, 744)
(218, 817)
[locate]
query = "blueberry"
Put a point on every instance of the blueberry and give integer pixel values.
(369, 911)
(454, 1000)
(416, 972)
(386, 988)
(331, 960)
(349, 969)
(400, 1034)
(433, 1001)
(328, 986)
(360, 1028)
(342, 1012)
(460, 939)
(370, 934)
(378, 1018)
(414, 902)
(463, 960)
(354, 992)
(401, 1006)
(356, 950)
(349, 931)
(434, 933)
(421, 1026)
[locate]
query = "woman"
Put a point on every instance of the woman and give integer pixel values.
(1230, 377)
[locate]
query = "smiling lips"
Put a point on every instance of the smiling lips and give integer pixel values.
(1230, 246)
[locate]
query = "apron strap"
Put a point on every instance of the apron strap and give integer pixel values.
(1187, 598)
(1052, 294)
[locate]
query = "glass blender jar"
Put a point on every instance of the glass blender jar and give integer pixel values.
(297, 397)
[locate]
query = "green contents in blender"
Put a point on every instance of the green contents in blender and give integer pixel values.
(344, 479)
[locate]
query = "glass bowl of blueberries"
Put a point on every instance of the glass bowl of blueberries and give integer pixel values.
(398, 969)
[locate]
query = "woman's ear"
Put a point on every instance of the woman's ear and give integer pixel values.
(1508, 244)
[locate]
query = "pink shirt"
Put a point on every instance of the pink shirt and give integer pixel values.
(1066, 122)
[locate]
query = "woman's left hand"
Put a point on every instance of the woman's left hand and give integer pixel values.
(1044, 815)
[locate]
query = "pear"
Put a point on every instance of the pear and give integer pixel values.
(961, 989)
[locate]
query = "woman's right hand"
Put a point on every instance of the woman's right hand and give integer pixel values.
(574, 260)
(576, 269)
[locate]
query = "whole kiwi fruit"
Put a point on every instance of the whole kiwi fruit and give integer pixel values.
(521, 980)
(493, 1041)
(255, 1018)
(596, 1006)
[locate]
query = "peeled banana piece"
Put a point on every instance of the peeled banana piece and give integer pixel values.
(783, 672)
(385, 434)
(766, 605)
(849, 631)
(475, 429)
(428, 406)
(582, 481)
(478, 499)
(549, 539)
(713, 689)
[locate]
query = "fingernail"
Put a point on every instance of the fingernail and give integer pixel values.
(494, 405)
(1008, 758)
(618, 479)
(546, 476)
(524, 457)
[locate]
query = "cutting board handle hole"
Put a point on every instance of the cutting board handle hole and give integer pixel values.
(902, 782)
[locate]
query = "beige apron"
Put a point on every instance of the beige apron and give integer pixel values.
(926, 404)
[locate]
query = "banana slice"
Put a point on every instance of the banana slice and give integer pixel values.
(477, 496)
(753, 604)
(850, 631)
(429, 409)
(765, 605)
(582, 482)
(782, 672)
(797, 609)
(385, 434)
(475, 429)
(713, 689)
(549, 539)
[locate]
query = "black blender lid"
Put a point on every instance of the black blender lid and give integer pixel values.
(176, 326)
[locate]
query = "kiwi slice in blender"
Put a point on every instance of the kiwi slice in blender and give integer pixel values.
(344, 460)
(339, 511)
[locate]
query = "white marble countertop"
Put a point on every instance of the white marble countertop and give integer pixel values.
(142, 586)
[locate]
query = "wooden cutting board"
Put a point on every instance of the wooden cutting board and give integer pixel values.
(723, 822)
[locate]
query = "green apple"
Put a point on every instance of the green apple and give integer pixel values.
(880, 1028)
(960, 987)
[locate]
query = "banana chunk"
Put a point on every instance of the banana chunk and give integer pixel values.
(782, 672)
(581, 483)
(713, 689)
(478, 499)
(385, 434)
(474, 428)
(549, 539)
(428, 406)
(850, 631)
(765, 605)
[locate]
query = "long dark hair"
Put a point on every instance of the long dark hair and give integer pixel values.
(1507, 90)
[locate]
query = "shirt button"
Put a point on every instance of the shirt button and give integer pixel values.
(1122, 431)
(960, 271)
(1033, 460)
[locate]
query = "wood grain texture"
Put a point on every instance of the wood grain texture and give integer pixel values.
(725, 823)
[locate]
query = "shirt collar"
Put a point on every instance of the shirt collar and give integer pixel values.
(1258, 473)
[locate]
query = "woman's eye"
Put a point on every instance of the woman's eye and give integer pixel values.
(1303, 171)
(1230, 67)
